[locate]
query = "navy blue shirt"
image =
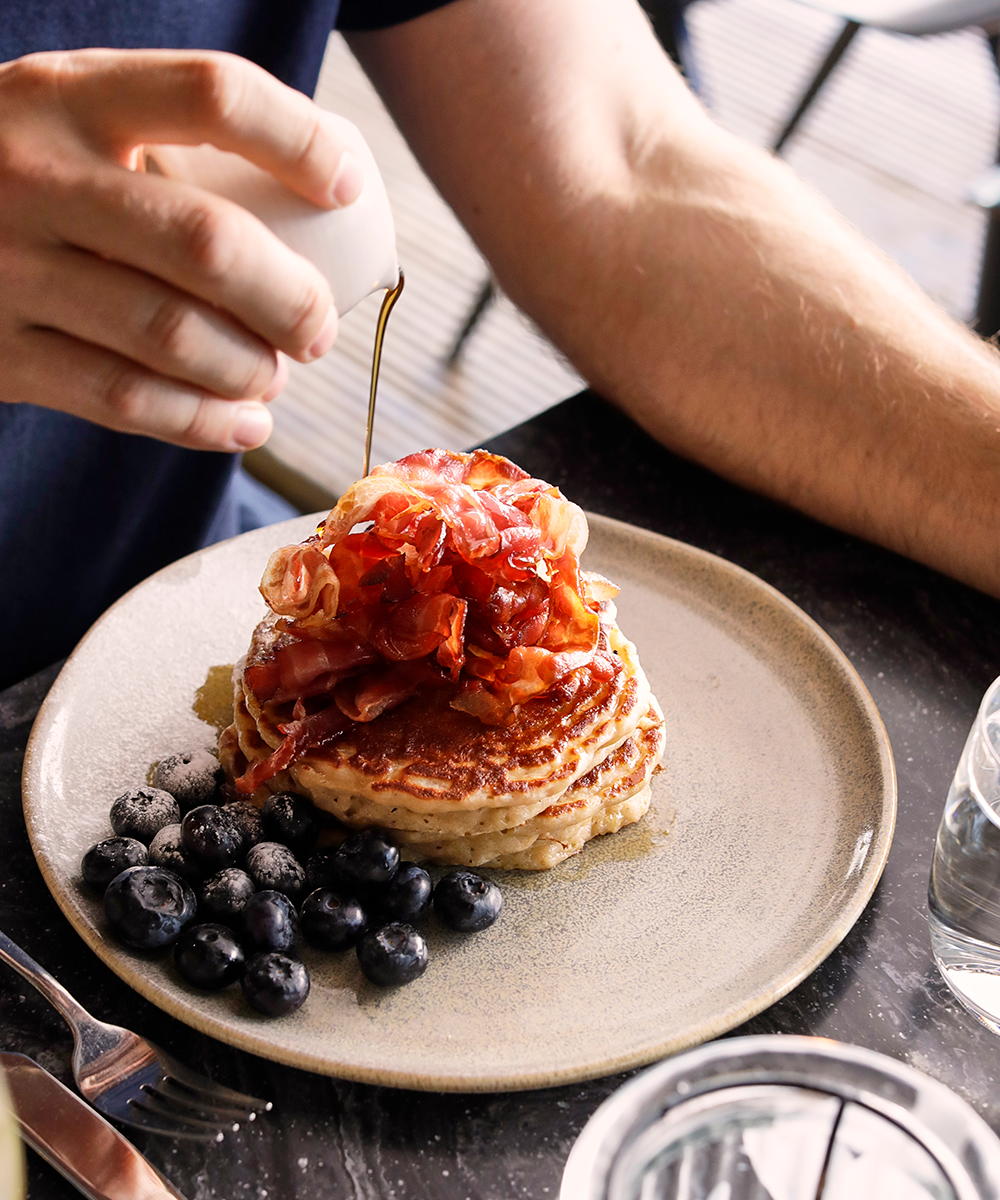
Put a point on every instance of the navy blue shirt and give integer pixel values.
(86, 513)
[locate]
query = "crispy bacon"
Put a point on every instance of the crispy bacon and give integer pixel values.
(601, 589)
(352, 559)
(307, 668)
(473, 698)
(532, 670)
(300, 583)
(441, 568)
(451, 652)
(307, 733)
(416, 627)
(572, 623)
(375, 692)
(562, 525)
(475, 496)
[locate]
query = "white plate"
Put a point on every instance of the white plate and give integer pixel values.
(769, 828)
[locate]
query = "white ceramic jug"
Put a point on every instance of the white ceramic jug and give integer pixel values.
(354, 246)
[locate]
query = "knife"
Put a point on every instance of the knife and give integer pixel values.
(76, 1140)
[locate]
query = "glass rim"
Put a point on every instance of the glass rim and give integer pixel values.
(991, 695)
(940, 1121)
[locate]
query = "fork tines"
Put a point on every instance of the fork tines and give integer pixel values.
(163, 1096)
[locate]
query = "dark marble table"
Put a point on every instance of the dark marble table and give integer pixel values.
(926, 648)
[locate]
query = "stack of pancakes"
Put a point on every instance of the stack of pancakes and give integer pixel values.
(567, 766)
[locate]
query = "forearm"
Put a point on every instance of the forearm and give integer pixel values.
(693, 280)
(766, 340)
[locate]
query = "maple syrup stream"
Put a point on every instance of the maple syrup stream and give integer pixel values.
(388, 301)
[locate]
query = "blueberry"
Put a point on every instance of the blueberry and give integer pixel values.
(104, 860)
(466, 901)
(407, 897)
(321, 871)
(332, 922)
(191, 778)
(142, 812)
(246, 817)
(367, 860)
(211, 838)
(209, 956)
(392, 955)
(290, 819)
(270, 922)
(275, 984)
(274, 867)
(223, 897)
(167, 850)
(148, 907)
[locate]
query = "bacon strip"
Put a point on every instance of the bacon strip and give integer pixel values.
(300, 583)
(306, 668)
(417, 627)
(377, 691)
(302, 735)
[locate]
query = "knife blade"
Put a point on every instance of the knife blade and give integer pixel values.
(76, 1140)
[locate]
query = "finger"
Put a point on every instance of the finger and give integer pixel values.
(280, 380)
(200, 243)
(55, 370)
(141, 318)
(119, 99)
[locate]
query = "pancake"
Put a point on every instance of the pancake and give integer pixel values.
(613, 794)
(570, 766)
(518, 783)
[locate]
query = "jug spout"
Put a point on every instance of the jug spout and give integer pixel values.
(354, 246)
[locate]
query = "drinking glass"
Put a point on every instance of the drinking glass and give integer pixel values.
(779, 1117)
(964, 891)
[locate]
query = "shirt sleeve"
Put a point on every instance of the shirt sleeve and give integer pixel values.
(377, 14)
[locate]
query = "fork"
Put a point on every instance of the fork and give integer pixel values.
(130, 1079)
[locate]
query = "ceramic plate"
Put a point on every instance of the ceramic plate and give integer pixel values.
(770, 825)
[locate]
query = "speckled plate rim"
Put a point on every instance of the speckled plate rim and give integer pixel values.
(650, 1050)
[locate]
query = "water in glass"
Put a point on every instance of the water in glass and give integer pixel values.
(964, 892)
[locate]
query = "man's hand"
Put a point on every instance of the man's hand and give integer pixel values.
(135, 301)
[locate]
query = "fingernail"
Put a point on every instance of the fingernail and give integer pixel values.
(348, 180)
(277, 384)
(326, 336)
(252, 428)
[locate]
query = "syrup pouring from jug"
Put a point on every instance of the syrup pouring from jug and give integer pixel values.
(353, 246)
